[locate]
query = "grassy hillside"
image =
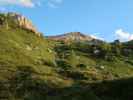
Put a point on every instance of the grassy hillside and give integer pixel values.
(35, 68)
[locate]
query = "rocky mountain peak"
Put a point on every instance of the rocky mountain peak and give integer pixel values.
(23, 22)
(72, 36)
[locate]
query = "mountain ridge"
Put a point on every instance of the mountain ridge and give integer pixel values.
(73, 36)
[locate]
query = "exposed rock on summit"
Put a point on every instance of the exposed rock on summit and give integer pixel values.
(72, 36)
(23, 22)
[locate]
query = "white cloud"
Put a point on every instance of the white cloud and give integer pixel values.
(123, 36)
(131, 37)
(54, 3)
(31, 3)
(2, 9)
(96, 37)
(25, 3)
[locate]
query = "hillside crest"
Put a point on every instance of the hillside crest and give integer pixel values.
(20, 21)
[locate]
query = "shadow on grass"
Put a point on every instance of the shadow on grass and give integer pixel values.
(121, 89)
(25, 85)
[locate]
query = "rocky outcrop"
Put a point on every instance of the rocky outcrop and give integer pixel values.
(23, 22)
(72, 36)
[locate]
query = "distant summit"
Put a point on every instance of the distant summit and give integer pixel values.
(72, 36)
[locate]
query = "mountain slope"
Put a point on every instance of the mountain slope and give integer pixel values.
(33, 67)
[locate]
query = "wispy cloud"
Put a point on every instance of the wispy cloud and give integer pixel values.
(123, 36)
(31, 3)
(97, 37)
(2, 9)
(24, 3)
(54, 3)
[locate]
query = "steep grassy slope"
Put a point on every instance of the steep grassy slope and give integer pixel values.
(27, 63)
(35, 68)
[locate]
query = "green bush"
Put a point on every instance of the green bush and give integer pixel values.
(81, 66)
(63, 64)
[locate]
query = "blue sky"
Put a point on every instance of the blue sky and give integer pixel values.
(108, 19)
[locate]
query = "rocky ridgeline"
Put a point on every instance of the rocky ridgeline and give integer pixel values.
(23, 22)
(72, 36)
